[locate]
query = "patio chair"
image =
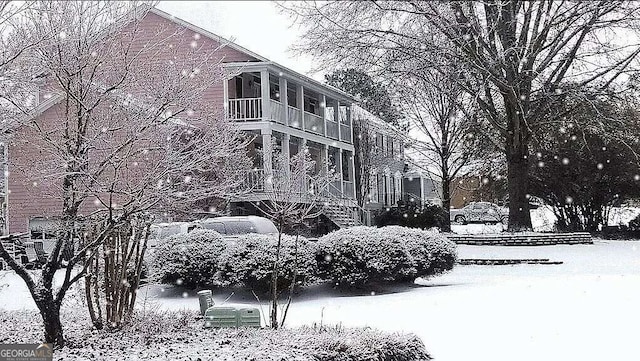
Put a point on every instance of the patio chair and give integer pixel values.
(36, 254)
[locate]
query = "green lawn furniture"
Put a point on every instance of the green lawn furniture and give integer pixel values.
(232, 316)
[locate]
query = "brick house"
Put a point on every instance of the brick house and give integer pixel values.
(277, 105)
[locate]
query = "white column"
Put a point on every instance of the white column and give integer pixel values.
(352, 168)
(336, 117)
(301, 106)
(286, 152)
(264, 93)
(284, 99)
(323, 110)
(267, 159)
(422, 198)
(348, 111)
(225, 96)
(339, 166)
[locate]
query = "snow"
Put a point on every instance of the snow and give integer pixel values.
(584, 309)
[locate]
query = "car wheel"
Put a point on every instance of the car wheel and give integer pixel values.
(460, 220)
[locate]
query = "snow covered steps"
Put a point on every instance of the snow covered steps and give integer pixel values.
(521, 239)
(500, 262)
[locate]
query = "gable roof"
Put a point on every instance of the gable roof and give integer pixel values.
(232, 45)
(207, 33)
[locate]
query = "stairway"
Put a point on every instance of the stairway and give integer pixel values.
(342, 215)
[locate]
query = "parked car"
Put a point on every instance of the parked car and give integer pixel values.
(236, 225)
(163, 230)
(481, 212)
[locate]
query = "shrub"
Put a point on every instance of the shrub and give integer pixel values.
(413, 216)
(166, 335)
(433, 253)
(205, 258)
(190, 259)
(248, 261)
(362, 255)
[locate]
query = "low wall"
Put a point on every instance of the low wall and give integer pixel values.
(521, 239)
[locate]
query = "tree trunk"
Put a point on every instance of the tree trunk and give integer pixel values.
(446, 204)
(50, 312)
(517, 178)
(274, 279)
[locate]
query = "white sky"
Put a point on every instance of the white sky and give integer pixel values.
(256, 25)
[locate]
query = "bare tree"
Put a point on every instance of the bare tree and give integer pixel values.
(443, 127)
(130, 131)
(513, 51)
(295, 192)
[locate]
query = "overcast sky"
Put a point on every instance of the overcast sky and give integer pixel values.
(256, 25)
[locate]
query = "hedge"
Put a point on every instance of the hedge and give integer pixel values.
(359, 256)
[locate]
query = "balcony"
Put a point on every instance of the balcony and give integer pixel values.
(258, 94)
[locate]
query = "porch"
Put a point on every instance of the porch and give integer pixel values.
(258, 93)
(265, 147)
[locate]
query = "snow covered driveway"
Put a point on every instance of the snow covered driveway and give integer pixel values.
(586, 309)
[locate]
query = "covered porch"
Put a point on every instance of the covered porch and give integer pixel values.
(267, 144)
(259, 92)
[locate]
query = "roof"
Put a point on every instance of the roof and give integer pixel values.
(237, 47)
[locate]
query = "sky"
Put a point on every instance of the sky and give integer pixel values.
(258, 26)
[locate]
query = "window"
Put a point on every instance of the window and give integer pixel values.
(274, 88)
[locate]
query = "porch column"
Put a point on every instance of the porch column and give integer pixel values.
(323, 110)
(336, 118)
(301, 106)
(264, 93)
(284, 99)
(267, 159)
(348, 120)
(286, 152)
(225, 96)
(352, 171)
(325, 155)
(339, 166)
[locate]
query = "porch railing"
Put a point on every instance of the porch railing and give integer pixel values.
(276, 111)
(244, 109)
(295, 119)
(313, 123)
(332, 129)
(345, 133)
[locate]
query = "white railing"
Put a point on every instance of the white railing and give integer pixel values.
(332, 129)
(313, 123)
(244, 109)
(294, 117)
(276, 111)
(253, 180)
(345, 133)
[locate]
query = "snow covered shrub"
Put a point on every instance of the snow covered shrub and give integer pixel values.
(189, 259)
(362, 255)
(432, 252)
(248, 260)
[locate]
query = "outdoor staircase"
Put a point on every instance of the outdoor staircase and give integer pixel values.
(341, 215)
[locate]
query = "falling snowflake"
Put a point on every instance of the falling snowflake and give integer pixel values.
(185, 294)
(541, 164)
(194, 44)
(568, 200)
(600, 166)
(565, 161)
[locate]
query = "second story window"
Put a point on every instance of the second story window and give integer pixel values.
(274, 87)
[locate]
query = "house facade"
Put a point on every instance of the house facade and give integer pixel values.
(280, 109)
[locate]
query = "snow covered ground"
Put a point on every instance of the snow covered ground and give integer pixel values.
(587, 308)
